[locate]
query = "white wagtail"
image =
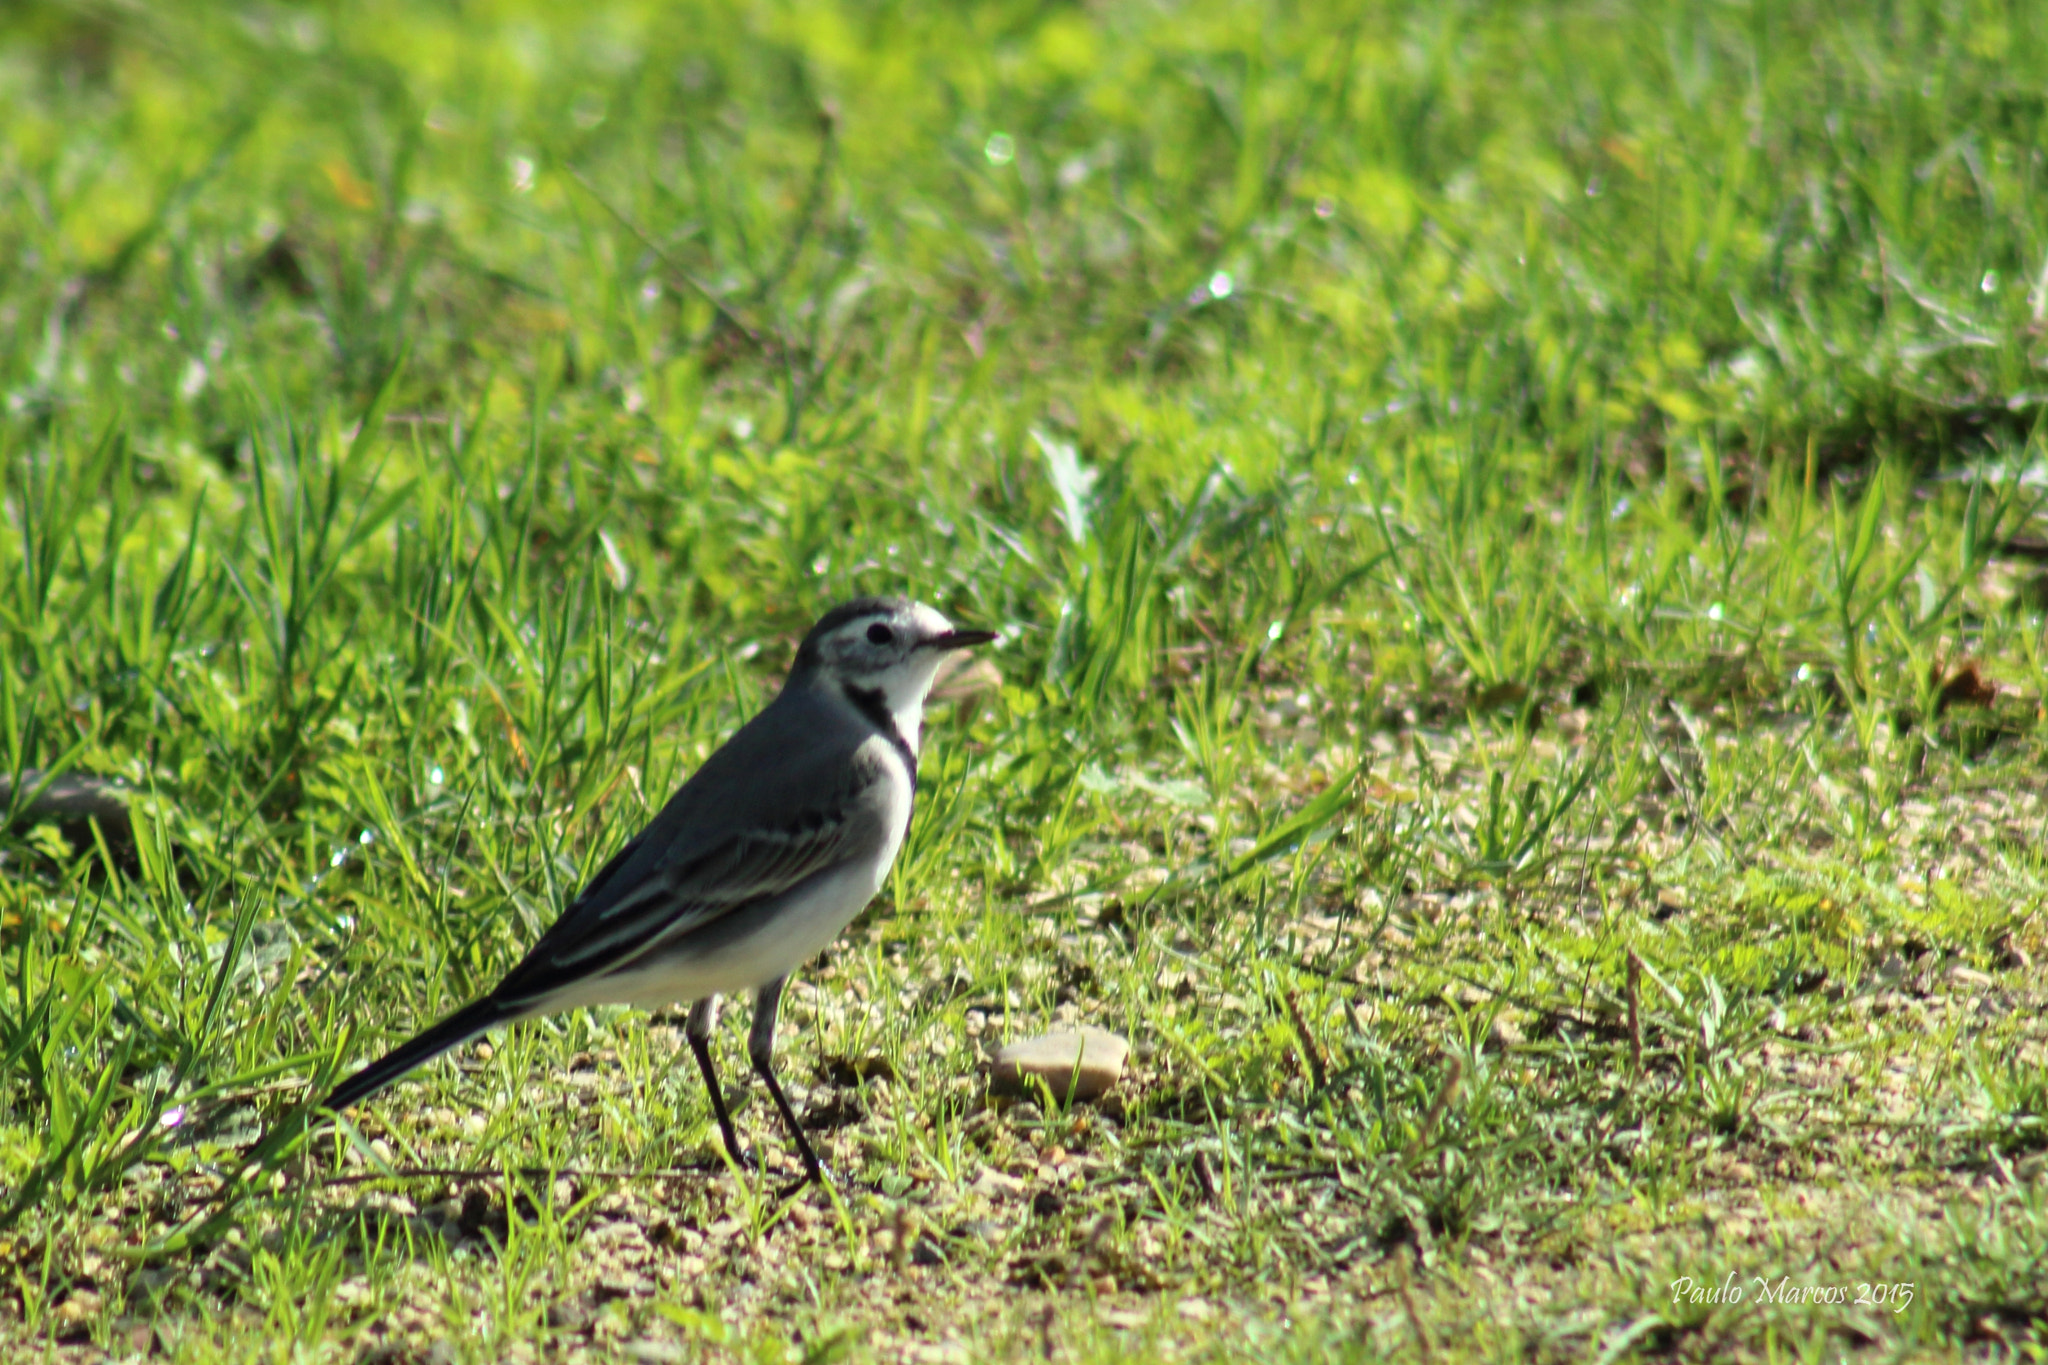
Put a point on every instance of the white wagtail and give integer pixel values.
(765, 854)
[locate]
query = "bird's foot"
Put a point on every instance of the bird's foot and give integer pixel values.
(825, 1178)
(743, 1158)
(820, 1174)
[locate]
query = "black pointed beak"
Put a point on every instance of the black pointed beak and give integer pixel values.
(958, 639)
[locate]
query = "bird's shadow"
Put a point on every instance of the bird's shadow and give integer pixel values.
(473, 1212)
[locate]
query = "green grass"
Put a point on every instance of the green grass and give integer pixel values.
(1516, 531)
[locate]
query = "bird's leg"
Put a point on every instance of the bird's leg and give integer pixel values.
(703, 1019)
(761, 1051)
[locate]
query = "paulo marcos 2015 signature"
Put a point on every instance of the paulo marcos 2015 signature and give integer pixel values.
(1895, 1295)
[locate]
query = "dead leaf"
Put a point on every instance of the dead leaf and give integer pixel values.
(1967, 686)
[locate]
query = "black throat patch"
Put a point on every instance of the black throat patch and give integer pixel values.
(870, 702)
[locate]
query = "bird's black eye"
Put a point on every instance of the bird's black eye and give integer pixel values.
(880, 634)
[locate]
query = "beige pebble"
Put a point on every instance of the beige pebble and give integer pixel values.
(1089, 1058)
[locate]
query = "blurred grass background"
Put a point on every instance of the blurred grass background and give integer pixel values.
(1484, 501)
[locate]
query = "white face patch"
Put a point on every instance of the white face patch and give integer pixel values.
(884, 652)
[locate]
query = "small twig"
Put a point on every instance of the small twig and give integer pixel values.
(813, 205)
(523, 1173)
(1319, 1073)
(1425, 1344)
(1204, 1177)
(899, 1249)
(1436, 1110)
(460, 1173)
(1301, 1175)
(725, 312)
(1635, 1014)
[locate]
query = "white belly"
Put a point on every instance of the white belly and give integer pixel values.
(802, 926)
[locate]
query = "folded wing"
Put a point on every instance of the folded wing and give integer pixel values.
(828, 811)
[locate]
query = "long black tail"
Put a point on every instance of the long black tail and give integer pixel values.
(452, 1032)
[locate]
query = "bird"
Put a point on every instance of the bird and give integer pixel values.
(760, 859)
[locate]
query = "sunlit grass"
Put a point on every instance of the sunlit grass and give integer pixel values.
(1516, 535)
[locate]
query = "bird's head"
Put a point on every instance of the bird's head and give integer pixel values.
(889, 646)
